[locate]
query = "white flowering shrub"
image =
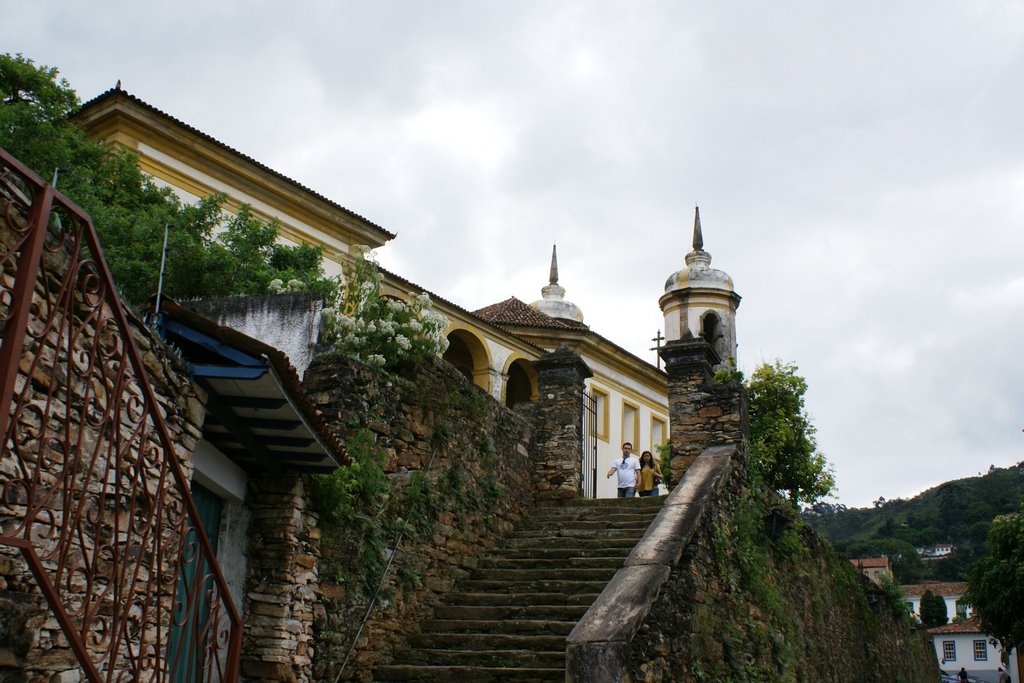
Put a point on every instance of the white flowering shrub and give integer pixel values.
(378, 330)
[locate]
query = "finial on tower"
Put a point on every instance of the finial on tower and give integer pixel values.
(553, 278)
(698, 237)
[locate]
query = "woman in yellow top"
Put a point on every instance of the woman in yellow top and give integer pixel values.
(647, 477)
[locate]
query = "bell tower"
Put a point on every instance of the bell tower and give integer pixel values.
(700, 301)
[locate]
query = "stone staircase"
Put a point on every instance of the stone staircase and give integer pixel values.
(508, 620)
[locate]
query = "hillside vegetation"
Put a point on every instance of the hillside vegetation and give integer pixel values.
(957, 512)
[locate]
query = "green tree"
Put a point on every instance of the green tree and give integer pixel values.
(208, 254)
(995, 585)
(783, 449)
(933, 610)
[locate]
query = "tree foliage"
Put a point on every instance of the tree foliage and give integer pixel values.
(210, 253)
(783, 449)
(933, 610)
(995, 586)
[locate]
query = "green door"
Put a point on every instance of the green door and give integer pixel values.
(191, 605)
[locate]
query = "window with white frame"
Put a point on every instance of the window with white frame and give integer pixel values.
(980, 651)
(961, 609)
(949, 650)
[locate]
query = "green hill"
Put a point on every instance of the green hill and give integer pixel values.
(957, 512)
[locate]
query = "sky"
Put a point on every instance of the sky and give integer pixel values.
(859, 169)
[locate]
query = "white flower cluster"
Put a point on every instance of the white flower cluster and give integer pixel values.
(279, 286)
(381, 330)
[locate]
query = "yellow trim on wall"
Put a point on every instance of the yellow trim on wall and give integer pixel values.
(635, 437)
(664, 431)
(602, 399)
(527, 367)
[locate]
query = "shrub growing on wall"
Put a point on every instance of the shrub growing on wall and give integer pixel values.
(379, 330)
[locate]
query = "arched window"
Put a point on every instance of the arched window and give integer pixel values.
(521, 386)
(711, 331)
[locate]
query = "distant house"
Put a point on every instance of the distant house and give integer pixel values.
(937, 551)
(963, 644)
(873, 567)
(950, 592)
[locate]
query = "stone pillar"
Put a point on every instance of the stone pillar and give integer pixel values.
(558, 424)
(701, 413)
(283, 585)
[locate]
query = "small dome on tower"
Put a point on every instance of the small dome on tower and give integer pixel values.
(554, 303)
(698, 272)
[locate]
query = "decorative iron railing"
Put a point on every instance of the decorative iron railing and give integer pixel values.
(92, 494)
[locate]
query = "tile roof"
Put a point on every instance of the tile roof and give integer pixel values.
(950, 589)
(118, 92)
(972, 625)
(512, 311)
(870, 562)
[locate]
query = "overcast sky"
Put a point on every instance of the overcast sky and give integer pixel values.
(859, 169)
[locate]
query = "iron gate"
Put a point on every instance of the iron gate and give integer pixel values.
(589, 451)
(92, 494)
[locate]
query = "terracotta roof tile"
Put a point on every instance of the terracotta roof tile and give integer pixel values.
(871, 562)
(972, 625)
(916, 590)
(512, 311)
(115, 92)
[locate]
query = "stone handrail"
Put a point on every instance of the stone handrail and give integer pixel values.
(598, 648)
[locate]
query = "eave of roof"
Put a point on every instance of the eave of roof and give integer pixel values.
(972, 625)
(84, 113)
(945, 589)
(283, 374)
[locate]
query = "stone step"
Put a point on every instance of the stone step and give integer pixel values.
(487, 641)
(598, 531)
(462, 674)
(490, 658)
(631, 503)
(543, 574)
(533, 627)
(527, 611)
(565, 515)
(569, 526)
(565, 586)
(590, 541)
(551, 563)
(550, 599)
(546, 552)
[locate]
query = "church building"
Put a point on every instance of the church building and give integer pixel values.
(493, 346)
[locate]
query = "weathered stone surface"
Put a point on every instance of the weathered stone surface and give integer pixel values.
(438, 424)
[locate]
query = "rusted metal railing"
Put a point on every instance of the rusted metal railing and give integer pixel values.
(92, 494)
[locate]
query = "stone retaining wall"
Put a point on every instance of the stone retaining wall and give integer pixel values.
(474, 458)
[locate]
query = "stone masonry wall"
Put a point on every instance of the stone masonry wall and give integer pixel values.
(701, 413)
(458, 464)
(33, 647)
(747, 604)
(558, 417)
(283, 586)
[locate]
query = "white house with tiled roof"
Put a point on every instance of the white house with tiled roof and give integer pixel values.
(963, 644)
(951, 592)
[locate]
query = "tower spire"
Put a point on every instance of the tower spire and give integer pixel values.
(553, 277)
(698, 237)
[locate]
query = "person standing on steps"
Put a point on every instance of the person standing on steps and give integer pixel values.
(647, 477)
(963, 675)
(626, 469)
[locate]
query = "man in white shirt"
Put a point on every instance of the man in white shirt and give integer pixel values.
(627, 468)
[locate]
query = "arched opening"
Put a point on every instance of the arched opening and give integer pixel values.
(469, 356)
(521, 386)
(712, 333)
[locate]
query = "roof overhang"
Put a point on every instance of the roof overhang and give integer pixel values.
(256, 411)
